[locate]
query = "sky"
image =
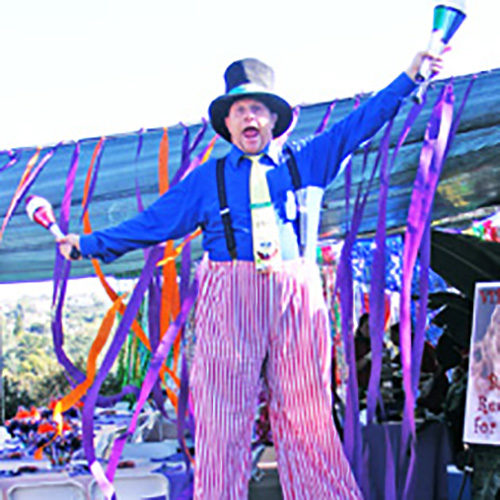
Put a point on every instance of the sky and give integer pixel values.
(76, 69)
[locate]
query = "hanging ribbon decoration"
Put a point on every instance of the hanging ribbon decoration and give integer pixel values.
(87, 228)
(377, 287)
(431, 161)
(326, 117)
(105, 481)
(152, 374)
(344, 283)
(61, 274)
(376, 305)
(438, 136)
(98, 344)
(154, 303)
(108, 361)
(14, 157)
(434, 152)
(96, 470)
(29, 176)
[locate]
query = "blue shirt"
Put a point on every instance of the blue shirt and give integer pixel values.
(194, 201)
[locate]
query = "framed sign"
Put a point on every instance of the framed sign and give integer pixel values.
(482, 410)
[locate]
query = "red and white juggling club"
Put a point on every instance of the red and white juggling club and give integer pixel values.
(448, 16)
(40, 211)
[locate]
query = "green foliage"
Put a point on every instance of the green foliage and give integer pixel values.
(32, 372)
(18, 327)
(15, 396)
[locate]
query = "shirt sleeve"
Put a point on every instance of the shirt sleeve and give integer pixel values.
(172, 216)
(328, 149)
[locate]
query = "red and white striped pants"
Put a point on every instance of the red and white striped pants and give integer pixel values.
(241, 317)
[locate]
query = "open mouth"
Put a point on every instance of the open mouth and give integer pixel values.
(250, 132)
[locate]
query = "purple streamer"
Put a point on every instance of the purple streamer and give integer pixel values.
(154, 307)
(184, 415)
(14, 157)
(390, 472)
(326, 118)
(352, 405)
(68, 190)
(437, 163)
(113, 351)
(185, 147)
(198, 137)
(347, 194)
(64, 215)
(93, 182)
(456, 121)
(182, 172)
(377, 298)
(140, 206)
(56, 323)
(377, 292)
(377, 287)
(187, 165)
(419, 338)
(182, 409)
(152, 374)
(61, 273)
(344, 282)
(431, 161)
(409, 490)
(19, 195)
(410, 120)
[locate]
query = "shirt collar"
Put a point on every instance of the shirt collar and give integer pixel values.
(272, 152)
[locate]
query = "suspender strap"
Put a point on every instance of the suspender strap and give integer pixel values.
(224, 209)
(291, 163)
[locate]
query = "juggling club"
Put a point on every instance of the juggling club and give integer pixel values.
(40, 211)
(448, 16)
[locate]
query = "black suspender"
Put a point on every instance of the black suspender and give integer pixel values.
(224, 207)
(291, 163)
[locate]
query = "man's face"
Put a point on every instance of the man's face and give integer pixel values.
(250, 124)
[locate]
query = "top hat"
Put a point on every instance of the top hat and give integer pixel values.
(249, 78)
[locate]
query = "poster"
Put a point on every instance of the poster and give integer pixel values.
(482, 410)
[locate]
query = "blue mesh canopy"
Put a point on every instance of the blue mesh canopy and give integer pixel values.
(468, 182)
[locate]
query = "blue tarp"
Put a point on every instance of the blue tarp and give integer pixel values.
(469, 179)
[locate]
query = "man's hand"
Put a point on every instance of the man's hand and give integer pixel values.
(434, 62)
(67, 244)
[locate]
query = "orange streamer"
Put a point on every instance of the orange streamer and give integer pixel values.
(136, 327)
(29, 167)
(163, 163)
(98, 344)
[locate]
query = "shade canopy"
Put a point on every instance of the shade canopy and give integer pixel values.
(469, 179)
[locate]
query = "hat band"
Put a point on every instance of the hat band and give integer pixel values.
(246, 88)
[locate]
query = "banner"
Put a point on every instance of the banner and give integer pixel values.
(482, 410)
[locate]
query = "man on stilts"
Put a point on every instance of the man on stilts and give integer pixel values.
(260, 295)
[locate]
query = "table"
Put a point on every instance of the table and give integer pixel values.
(131, 483)
(433, 453)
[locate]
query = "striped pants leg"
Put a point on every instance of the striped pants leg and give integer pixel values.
(241, 317)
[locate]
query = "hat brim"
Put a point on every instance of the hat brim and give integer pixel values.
(219, 109)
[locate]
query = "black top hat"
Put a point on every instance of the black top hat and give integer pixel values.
(249, 78)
